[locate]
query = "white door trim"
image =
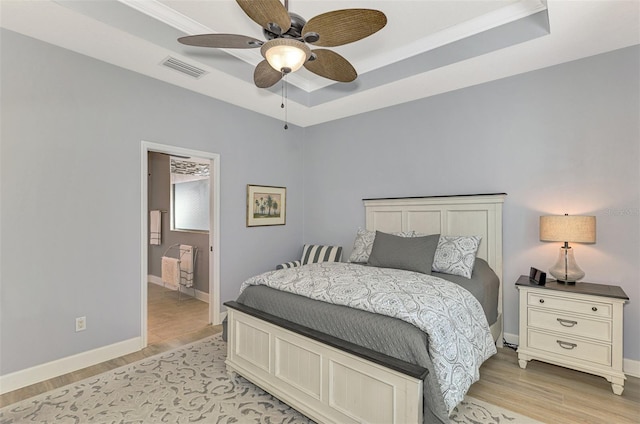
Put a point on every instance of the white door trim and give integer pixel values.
(214, 234)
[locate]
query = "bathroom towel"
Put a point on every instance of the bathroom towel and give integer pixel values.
(186, 265)
(155, 227)
(170, 272)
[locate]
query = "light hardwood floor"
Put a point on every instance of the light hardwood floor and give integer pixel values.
(545, 392)
(553, 394)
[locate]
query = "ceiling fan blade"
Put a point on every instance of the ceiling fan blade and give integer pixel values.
(267, 13)
(344, 26)
(223, 41)
(329, 64)
(265, 76)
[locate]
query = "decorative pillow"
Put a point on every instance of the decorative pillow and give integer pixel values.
(313, 253)
(292, 264)
(364, 242)
(409, 253)
(456, 255)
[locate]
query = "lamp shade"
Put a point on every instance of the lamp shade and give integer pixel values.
(285, 54)
(568, 228)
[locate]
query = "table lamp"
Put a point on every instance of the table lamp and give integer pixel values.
(567, 228)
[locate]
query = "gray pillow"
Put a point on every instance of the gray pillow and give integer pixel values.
(408, 253)
(364, 242)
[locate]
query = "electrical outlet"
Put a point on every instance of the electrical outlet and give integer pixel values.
(81, 324)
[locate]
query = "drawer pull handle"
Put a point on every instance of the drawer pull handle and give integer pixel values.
(594, 309)
(541, 301)
(566, 322)
(566, 345)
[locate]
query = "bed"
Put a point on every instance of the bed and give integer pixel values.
(337, 363)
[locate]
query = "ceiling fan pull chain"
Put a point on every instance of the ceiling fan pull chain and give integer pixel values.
(285, 96)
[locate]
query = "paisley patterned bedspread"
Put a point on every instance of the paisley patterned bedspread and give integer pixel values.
(459, 336)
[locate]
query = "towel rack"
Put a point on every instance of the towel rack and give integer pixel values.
(179, 257)
(177, 246)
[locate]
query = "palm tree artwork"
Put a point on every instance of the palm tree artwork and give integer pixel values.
(266, 205)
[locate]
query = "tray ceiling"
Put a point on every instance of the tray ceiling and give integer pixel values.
(427, 48)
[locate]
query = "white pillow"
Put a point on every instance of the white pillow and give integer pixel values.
(364, 242)
(456, 255)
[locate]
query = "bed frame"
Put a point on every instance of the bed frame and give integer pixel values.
(332, 381)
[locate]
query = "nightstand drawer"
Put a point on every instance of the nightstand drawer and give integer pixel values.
(570, 347)
(571, 325)
(598, 309)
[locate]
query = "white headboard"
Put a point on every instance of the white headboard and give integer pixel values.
(467, 215)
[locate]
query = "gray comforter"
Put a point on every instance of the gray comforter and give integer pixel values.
(391, 336)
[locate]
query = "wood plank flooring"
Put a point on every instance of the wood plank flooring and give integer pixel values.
(545, 392)
(553, 394)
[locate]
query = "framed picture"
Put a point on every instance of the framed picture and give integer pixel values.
(266, 205)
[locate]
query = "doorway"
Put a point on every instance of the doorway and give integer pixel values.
(209, 249)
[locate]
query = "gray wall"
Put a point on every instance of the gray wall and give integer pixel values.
(559, 140)
(159, 191)
(563, 139)
(71, 194)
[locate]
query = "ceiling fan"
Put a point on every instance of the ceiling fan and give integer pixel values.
(288, 35)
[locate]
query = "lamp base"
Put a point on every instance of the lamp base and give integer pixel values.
(568, 283)
(566, 270)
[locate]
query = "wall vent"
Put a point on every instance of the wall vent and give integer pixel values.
(185, 68)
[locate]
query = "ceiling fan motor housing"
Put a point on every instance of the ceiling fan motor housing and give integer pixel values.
(297, 23)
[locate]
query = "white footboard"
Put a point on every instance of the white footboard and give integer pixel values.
(318, 378)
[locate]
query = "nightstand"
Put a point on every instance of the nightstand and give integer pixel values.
(576, 326)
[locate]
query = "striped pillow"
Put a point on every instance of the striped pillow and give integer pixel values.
(288, 265)
(313, 253)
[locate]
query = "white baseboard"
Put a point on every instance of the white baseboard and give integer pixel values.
(511, 338)
(200, 295)
(631, 367)
(26, 377)
(23, 378)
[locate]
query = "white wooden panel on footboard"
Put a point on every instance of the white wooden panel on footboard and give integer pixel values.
(327, 384)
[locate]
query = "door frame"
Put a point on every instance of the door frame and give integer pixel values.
(214, 226)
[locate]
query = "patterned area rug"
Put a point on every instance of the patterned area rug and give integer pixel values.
(186, 385)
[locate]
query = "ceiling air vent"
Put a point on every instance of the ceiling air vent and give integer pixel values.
(185, 68)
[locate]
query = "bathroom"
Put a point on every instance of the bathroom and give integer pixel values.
(178, 207)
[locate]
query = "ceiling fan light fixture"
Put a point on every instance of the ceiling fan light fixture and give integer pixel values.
(285, 54)
(288, 35)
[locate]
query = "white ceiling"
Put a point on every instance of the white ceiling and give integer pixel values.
(428, 47)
